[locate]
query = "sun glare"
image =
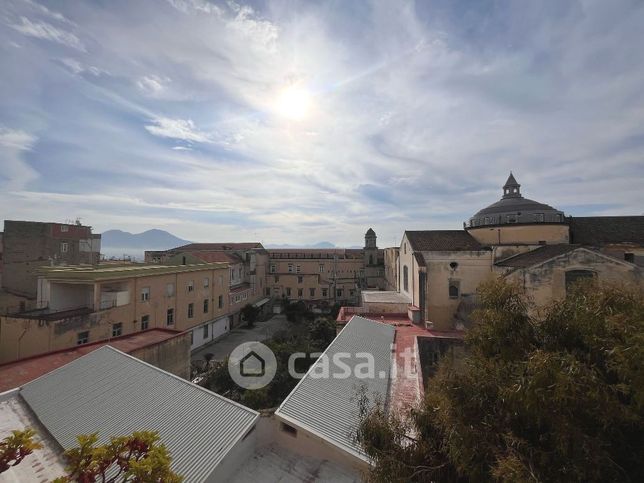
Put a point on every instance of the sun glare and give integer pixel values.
(294, 103)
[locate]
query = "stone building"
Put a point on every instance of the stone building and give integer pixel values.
(29, 245)
(531, 243)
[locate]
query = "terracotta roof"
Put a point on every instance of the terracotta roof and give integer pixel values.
(15, 374)
(211, 257)
(220, 246)
(600, 230)
(442, 240)
(536, 256)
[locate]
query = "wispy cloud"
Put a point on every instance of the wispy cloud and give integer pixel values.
(183, 129)
(46, 31)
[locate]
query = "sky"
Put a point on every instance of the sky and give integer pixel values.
(297, 122)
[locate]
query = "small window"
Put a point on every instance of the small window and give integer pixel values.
(322, 268)
(288, 429)
(191, 311)
(221, 301)
(339, 292)
(406, 278)
(205, 306)
(169, 290)
(191, 286)
(300, 279)
(268, 291)
(64, 228)
(82, 338)
(117, 329)
(300, 292)
(192, 337)
(288, 291)
(145, 294)
(405, 248)
(277, 278)
(454, 289)
(352, 292)
(290, 268)
(145, 322)
(64, 247)
(325, 292)
(205, 331)
(297, 269)
(272, 269)
(169, 318)
(206, 282)
(312, 292)
(629, 257)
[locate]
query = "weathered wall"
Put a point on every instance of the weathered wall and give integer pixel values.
(391, 268)
(172, 355)
(547, 281)
(521, 234)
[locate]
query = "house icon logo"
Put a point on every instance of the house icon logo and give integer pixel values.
(252, 365)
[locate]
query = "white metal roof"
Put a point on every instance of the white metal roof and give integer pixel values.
(116, 394)
(327, 407)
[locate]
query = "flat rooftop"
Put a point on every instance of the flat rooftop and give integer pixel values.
(90, 273)
(15, 374)
(44, 464)
(385, 297)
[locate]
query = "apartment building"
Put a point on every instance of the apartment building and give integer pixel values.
(30, 245)
(82, 304)
(247, 265)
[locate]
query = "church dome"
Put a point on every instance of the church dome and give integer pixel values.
(514, 208)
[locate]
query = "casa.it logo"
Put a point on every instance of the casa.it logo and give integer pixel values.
(252, 365)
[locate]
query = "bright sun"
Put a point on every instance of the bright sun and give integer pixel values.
(294, 103)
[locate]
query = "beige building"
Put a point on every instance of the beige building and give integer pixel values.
(83, 304)
(438, 271)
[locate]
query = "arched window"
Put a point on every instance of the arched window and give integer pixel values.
(405, 279)
(454, 289)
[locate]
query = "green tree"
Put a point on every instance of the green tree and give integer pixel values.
(16, 447)
(250, 313)
(551, 395)
(138, 458)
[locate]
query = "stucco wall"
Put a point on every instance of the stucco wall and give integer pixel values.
(172, 355)
(521, 234)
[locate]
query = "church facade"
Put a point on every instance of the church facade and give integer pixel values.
(525, 241)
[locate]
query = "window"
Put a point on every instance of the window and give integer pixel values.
(117, 329)
(312, 292)
(221, 301)
(206, 282)
(169, 290)
(145, 322)
(538, 217)
(277, 278)
(205, 331)
(145, 294)
(629, 257)
(64, 247)
(192, 337)
(511, 218)
(191, 286)
(300, 292)
(339, 292)
(191, 310)
(268, 291)
(321, 267)
(64, 228)
(575, 276)
(405, 248)
(352, 292)
(297, 269)
(290, 268)
(205, 306)
(169, 318)
(454, 289)
(272, 269)
(370, 259)
(406, 278)
(288, 291)
(240, 272)
(487, 220)
(82, 338)
(325, 292)
(300, 279)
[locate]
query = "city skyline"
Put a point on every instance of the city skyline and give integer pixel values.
(299, 123)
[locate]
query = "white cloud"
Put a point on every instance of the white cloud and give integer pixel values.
(77, 67)
(16, 139)
(46, 31)
(152, 85)
(183, 129)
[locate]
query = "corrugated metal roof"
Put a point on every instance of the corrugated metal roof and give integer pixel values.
(116, 394)
(328, 407)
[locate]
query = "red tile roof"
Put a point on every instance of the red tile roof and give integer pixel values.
(15, 374)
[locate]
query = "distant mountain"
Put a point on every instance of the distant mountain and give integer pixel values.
(118, 243)
(323, 244)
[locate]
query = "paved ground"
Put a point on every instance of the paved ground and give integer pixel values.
(224, 346)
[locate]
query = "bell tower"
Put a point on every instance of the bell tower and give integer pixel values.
(511, 189)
